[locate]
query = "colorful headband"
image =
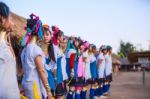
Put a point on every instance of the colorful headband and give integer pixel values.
(37, 28)
(55, 29)
(45, 26)
(86, 45)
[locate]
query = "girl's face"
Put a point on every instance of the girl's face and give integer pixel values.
(81, 48)
(47, 36)
(60, 38)
(63, 44)
(110, 51)
(76, 43)
(104, 51)
(90, 48)
(6, 23)
(94, 51)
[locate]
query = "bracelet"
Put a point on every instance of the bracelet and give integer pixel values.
(47, 88)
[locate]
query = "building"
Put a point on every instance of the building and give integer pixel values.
(140, 59)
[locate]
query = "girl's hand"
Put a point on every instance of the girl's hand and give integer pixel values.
(50, 96)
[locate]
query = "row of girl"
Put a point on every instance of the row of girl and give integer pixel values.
(59, 66)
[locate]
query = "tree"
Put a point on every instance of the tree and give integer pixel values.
(125, 48)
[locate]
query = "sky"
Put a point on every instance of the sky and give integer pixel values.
(101, 22)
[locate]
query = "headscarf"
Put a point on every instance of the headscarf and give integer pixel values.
(33, 27)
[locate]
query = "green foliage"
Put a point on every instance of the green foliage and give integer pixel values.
(125, 48)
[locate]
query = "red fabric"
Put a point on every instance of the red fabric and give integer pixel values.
(72, 58)
(54, 39)
(78, 88)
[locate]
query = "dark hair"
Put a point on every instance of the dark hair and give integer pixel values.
(51, 51)
(59, 33)
(46, 29)
(80, 42)
(50, 47)
(4, 10)
(30, 24)
(93, 47)
(76, 39)
(86, 49)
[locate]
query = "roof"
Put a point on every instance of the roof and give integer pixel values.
(133, 57)
(116, 61)
(124, 61)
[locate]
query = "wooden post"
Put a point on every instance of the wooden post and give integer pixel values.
(143, 76)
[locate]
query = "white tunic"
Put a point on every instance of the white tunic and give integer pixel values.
(86, 65)
(101, 66)
(63, 66)
(108, 67)
(31, 75)
(8, 76)
(92, 58)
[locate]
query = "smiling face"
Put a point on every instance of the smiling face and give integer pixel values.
(47, 36)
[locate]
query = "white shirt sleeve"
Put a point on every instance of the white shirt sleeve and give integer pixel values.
(37, 51)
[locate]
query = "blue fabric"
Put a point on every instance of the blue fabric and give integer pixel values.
(70, 96)
(47, 60)
(59, 71)
(68, 67)
(108, 88)
(77, 96)
(51, 79)
(83, 94)
(92, 93)
(105, 88)
(40, 30)
(96, 92)
(75, 69)
(100, 91)
(93, 70)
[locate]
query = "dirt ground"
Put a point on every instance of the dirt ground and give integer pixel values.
(129, 85)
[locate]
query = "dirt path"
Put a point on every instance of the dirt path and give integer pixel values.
(128, 85)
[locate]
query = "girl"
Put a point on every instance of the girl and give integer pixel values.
(33, 61)
(53, 60)
(108, 70)
(101, 67)
(86, 69)
(8, 77)
(72, 55)
(50, 52)
(61, 72)
(93, 70)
